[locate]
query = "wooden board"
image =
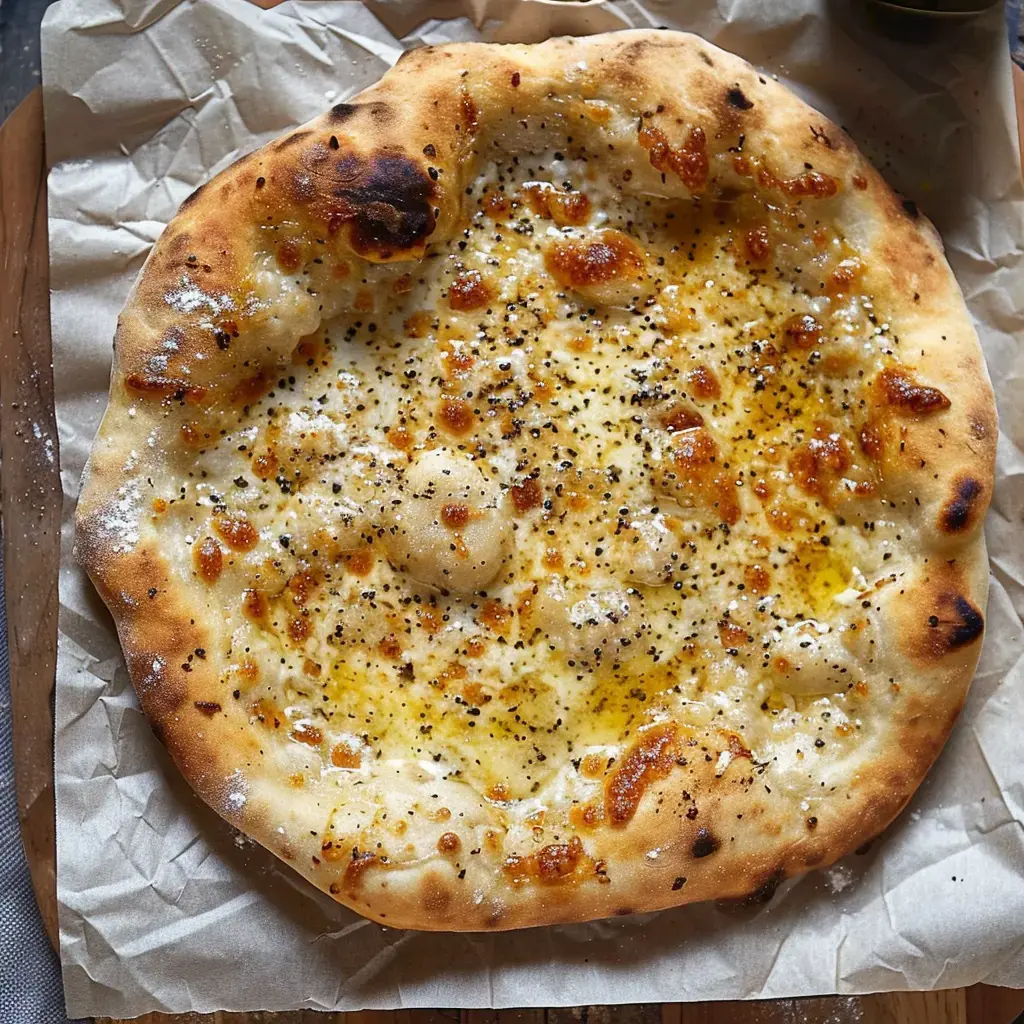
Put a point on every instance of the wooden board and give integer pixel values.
(30, 494)
(29, 485)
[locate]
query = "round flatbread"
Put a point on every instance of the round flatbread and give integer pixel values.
(548, 486)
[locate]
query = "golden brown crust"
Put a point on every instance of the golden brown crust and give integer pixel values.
(378, 179)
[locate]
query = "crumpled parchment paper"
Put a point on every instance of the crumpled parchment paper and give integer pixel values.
(161, 905)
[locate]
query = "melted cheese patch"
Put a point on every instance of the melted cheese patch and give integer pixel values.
(589, 467)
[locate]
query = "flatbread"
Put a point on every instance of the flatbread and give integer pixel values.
(547, 486)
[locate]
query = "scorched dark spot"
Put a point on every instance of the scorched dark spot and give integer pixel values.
(736, 98)
(956, 513)
(387, 200)
(705, 844)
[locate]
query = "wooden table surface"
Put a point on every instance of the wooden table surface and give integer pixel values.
(30, 495)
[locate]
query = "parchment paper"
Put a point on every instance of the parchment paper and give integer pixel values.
(161, 905)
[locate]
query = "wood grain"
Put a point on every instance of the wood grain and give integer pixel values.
(31, 506)
(29, 486)
(981, 1004)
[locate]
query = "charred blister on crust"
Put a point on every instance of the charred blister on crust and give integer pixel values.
(959, 512)
(765, 891)
(388, 201)
(735, 97)
(705, 843)
(954, 624)
(970, 627)
(342, 112)
(290, 140)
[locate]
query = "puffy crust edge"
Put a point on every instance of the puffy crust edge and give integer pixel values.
(421, 105)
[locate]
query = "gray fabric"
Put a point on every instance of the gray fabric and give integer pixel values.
(30, 990)
(1014, 27)
(19, 50)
